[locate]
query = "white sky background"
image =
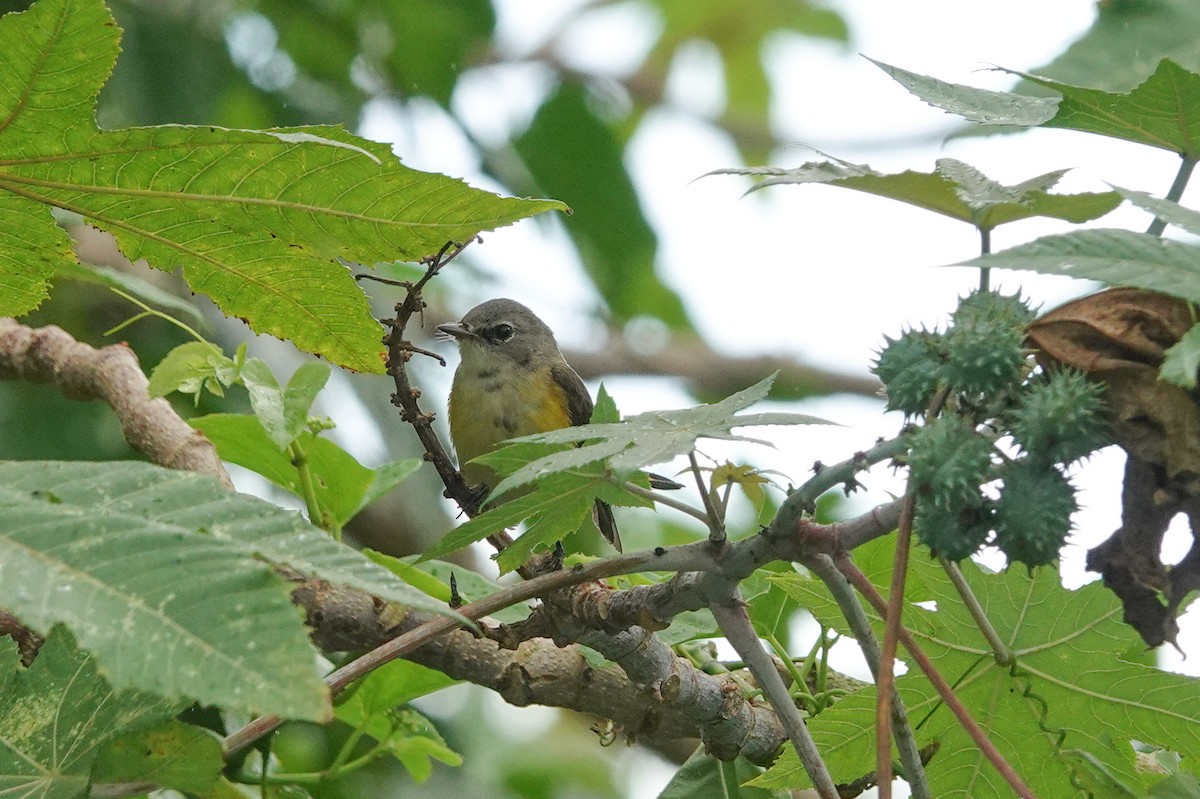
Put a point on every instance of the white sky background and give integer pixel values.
(811, 271)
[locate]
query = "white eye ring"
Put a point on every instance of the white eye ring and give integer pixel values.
(501, 332)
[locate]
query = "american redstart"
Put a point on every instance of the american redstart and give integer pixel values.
(513, 381)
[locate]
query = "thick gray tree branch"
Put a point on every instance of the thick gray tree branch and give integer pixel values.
(112, 375)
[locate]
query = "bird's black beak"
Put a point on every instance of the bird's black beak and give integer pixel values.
(456, 330)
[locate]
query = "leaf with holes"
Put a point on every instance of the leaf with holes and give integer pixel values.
(57, 714)
(1070, 678)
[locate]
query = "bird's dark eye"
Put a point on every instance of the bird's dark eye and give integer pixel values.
(501, 332)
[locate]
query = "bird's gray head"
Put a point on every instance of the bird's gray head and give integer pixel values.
(503, 328)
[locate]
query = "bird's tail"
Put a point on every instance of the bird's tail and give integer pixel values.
(603, 514)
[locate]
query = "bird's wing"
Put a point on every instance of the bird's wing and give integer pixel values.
(579, 402)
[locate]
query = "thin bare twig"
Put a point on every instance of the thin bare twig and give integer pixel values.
(906, 743)
(730, 613)
(945, 691)
(886, 678)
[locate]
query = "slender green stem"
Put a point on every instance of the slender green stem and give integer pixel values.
(811, 660)
(985, 247)
(148, 311)
(670, 502)
(1000, 650)
(310, 777)
(1174, 193)
(308, 490)
(782, 653)
(343, 755)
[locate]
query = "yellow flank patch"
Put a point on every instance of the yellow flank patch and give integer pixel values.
(520, 404)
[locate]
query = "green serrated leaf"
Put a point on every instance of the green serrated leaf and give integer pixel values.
(171, 754)
(953, 189)
(191, 368)
(556, 507)
(648, 438)
(1126, 41)
(1116, 257)
(605, 409)
(1182, 360)
(57, 714)
(1162, 111)
(978, 105)
(127, 553)
(1170, 212)
(261, 221)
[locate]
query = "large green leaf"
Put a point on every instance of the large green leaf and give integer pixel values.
(1163, 111)
(559, 505)
(1070, 678)
(171, 754)
(1118, 257)
(1170, 212)
(954, 189)
(166, 577)
(55, 716)
(259, 220)
(643, 439)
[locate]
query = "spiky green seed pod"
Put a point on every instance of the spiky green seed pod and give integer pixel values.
(1033, 515)
(993, 308)
(954, 534)
(909, 368)
(1060, 417)
(947, 462)
(983, 345)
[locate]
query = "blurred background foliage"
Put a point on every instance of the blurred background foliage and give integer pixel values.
(268, 63)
